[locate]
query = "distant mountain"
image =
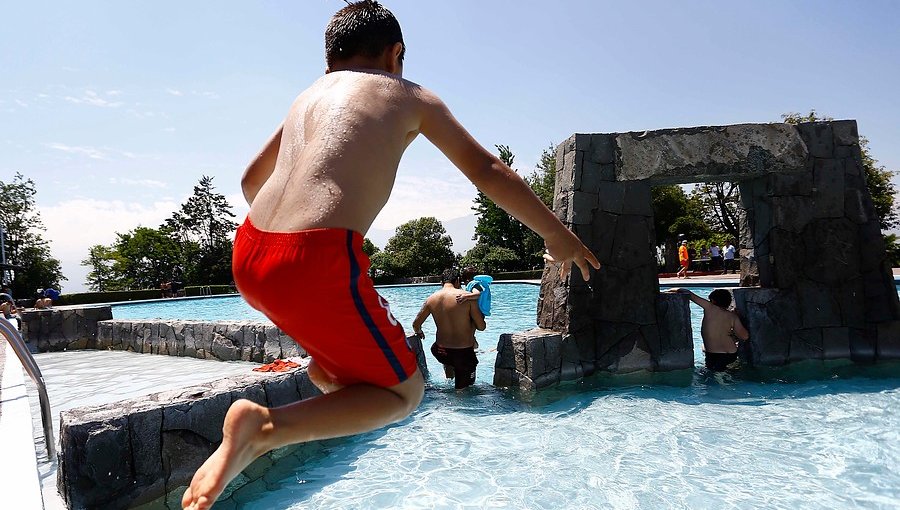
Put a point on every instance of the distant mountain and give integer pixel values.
(459, 229)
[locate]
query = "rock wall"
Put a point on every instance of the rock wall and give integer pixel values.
(61, 328)
(808, 229)
(128, 453)
(224, 340)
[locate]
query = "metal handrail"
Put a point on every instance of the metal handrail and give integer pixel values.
(18, 344)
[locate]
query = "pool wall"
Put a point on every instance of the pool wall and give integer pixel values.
(134, 451)
(539, 358)
(63, 328)
(223, 340)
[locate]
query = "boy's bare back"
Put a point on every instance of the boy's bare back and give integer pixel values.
(341, 144)
(455, 321)
(718, 329)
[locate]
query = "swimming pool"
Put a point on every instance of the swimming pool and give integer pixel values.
(801, 437)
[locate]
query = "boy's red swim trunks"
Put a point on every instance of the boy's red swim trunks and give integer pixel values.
(314, 285)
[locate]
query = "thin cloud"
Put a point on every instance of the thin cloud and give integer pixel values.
(146, 183)
(90, 152)
(414, 197)
(91, 98)
(205, 93)
(175, 92)
(21, 103)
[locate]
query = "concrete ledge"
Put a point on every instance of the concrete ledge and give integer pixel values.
(131, 452)
(63, 327)
(222, 340)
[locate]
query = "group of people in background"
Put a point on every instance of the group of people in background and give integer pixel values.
(720, 259)
(9, 310)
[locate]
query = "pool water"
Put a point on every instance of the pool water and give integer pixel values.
(811, 436)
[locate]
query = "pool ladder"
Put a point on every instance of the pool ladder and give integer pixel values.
(18, 344)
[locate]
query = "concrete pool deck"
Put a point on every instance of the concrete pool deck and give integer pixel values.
(19, 479)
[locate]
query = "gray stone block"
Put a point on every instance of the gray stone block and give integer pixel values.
(603, 149)
(845, 132)
(710, 152)
(819, 138)
(633, 246)
(806, 344)
(836, 343)
(862, 345)
(828, 191)
(888, 342)
(281, 391)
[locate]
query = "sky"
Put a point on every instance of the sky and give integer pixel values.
(116, 109)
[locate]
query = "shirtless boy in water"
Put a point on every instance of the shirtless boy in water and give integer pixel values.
(313, 191)
(720, 328)
(456, 321)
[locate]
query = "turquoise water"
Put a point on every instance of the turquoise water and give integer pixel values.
(806, 437)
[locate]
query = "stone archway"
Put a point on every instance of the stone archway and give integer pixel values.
(811, 239)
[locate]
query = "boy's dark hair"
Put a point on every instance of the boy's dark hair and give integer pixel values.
(449, 276)
(720, 298)
(363, 28)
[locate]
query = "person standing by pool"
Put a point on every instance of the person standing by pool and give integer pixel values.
(729, 258)
(314, 190)
(720, 329)
(715, 258)
(456, 321)
(684, 259)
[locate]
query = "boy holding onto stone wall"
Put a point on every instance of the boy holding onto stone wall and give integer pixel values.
(313, 191)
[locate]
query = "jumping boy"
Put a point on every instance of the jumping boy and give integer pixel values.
(313, 191)
(720, 329)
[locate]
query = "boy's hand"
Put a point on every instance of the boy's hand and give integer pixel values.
(567, 250)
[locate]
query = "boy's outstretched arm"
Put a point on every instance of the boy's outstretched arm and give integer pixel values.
(699, 301)
(503, 186)
(261, 168)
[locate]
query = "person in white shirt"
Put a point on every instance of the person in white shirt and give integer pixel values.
(729, 258)
(715, 258)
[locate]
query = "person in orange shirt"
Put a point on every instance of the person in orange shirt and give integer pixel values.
(684, 259)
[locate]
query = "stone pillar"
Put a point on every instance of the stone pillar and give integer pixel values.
(589, 326)
(818, 241)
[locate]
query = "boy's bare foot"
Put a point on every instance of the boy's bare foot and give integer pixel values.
(245, 424)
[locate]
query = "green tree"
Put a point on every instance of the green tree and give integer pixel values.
(418, 248)
(369, 247)
(202, 227)
(490, 259)
(494, 226)
(497, 234)
(102, 260)
(24, 246)
(542, 182)
(719, 206)
(674, 214)
(146, 257)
